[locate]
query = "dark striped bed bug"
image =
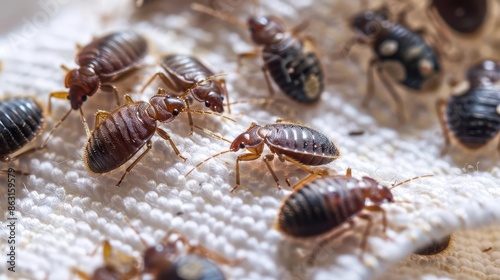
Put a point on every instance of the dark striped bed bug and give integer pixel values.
(21, 121)
(289, 59)
(104, 60)
(436, 246)
(319, 206)
(185, 73)
(117, 266)
(298, 144)
(472, 115)
(193, 262)
(399, 52)
(120, 134)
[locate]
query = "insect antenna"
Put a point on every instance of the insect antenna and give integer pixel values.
(211, 133)
(202, 112)
(207, 159)
(218, 14)
(409, 180)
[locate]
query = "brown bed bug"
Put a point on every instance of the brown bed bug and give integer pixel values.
(289, 59)
(298, 144)
(318, 206)
(104, 60)
(21, 121)
(116, 266)
(192, 262)
(472, 115)
(120, 134)
(399, 52)
(185, 73)
(436, 247)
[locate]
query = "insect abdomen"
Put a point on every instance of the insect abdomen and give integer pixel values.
(187, 68)
(473, 117)
(119, 137)
(297, 73)
(301, 143)
(113, 53)
(319, 207)
(192, 267)
(21, 119)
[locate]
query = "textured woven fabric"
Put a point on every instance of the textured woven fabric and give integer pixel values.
(64, 213)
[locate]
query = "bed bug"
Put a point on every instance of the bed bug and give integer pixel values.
(120, 134)
(21, 121)
(472, 115)
(289, 59)
(116, 266)
(185, 73)
(298, 144)
(318, 206)
(166, 261)
(104, 60)
(399, 52)
(436, 247)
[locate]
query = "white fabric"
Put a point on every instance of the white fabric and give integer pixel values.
(64, 213)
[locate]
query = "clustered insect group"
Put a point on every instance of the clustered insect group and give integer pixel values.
(320, 203)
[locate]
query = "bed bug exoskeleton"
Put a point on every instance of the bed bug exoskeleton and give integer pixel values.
(104, 60)
(399, 52)
(472, 114)
(184, 73)
(436, 247)
(298, 144)
(288, 58)
(166, 261)
(319, 206)
(116, 266)
(21, 121)
(120, 134)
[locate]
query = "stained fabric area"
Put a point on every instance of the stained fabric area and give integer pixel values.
(64, 213)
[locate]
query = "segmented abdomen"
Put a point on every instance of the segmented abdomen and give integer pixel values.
(301, 143)
(411, 51)
(21, 119)
(119, 137)
(192, 267)
(473, 117)
(187, 70)
(320, 206)
(113, 53)
(297, 72)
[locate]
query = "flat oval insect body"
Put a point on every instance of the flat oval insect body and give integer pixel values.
(301, 143)
(124, 131)
(291, 62)
(473, 117)
(326, 203)
(21, 120)
(188, 73)
(463, 16)
(103, 60)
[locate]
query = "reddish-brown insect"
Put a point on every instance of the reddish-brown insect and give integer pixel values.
(166, 261)
(120, 134)
(184, 73)
(289, 59)
(436, 246)
(298, 144)
(116, 266)
(318, 206)
(101, 62)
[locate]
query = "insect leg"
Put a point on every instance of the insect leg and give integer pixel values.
(268, 80)
(113, 89)
(58, 95)
(243, 157)
(370, 90)
(309, 178)
(394, 94)
(248, 55)
(440, 106)
(366, 233)
(65, 68)
(377, 208)
(148, 147)
(327, 239)
(163, 134)
(162, 77)
(99, 117)
(223, 83)
(267, 159)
